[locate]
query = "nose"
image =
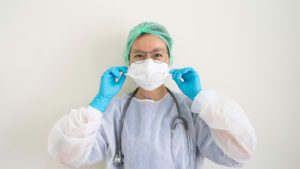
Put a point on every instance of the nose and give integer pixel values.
(148, 56)
(148, 67)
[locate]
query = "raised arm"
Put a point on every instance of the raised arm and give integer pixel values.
(79, 138)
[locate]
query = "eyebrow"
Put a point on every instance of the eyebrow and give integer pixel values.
(142, 51)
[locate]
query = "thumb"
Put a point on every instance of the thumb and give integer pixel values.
(178, 82)
(122, 79)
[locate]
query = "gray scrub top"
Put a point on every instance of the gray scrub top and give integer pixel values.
(146, 136)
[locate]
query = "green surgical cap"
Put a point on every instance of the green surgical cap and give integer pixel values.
(151, 28)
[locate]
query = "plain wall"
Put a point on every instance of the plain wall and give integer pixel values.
(53, 53)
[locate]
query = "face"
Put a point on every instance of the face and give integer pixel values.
(149, 46)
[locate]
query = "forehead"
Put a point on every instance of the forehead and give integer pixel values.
(153, 50)
(148, 42)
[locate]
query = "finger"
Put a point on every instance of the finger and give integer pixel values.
(122, 68)
(174, 75)
(177, 78)
(122, 79)
(115, 72)
(172, 71)
(107, 73)
(188, 69)
(191, 74)
(186, 73)
(178, 75)
(178, 82)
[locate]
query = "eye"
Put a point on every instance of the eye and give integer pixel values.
(138, 56)
(158, 55)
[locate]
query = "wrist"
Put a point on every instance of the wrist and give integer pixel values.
(192, 97)
(100, 103)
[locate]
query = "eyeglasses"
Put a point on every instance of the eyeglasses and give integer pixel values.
(158, 55)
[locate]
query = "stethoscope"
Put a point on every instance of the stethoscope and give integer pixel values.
(119, 157)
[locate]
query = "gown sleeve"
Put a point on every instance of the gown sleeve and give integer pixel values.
(224, 133)
(78, 139)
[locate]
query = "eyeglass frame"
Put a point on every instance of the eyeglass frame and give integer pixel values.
(144, 53)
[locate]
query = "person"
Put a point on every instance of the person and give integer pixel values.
(218, 128)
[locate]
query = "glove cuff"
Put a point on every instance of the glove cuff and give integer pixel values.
(100, 103)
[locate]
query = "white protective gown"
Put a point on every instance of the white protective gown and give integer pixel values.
(219, 130)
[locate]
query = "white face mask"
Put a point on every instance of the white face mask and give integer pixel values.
(149, 74)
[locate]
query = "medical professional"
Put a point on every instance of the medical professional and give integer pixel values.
(139, 130)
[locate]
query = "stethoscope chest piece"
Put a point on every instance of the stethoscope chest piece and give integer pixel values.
(118, 159)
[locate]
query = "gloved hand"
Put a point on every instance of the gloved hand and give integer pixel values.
(190, 85)
(109, 87)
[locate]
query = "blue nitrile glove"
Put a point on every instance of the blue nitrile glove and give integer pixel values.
(190, 85)
(109, 87)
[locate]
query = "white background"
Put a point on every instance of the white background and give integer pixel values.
(53, 53)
